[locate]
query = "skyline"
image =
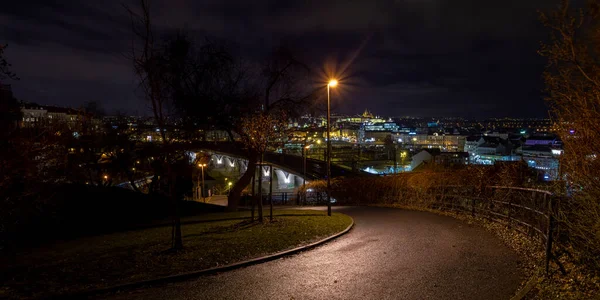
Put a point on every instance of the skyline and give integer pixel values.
(467, 59)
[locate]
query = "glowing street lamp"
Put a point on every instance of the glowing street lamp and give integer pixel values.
(332, 83)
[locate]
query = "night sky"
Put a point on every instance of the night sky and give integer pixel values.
(472, 58)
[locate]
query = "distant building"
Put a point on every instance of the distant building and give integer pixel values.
(437, 157)
(547, 140)
(472, 142)
(444, 142)
(382, 126)
(34, 115)
(543, 158)
(487, 150)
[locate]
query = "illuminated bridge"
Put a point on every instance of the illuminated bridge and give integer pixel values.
(288, 169)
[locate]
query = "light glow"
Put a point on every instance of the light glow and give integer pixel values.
(332, 83)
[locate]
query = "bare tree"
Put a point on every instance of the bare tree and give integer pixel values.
(573, 84)
(152, 68)
(282, 83)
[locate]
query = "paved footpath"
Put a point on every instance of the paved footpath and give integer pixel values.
(389, 254)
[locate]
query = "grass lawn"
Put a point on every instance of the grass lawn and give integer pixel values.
(210, 240)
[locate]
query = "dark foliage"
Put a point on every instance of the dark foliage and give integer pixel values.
(72, 210)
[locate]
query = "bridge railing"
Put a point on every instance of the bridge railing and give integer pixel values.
(292, 198)
(279, 198)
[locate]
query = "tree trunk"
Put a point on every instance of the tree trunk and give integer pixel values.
(260, 193)
(230, 134)
(271, 193)
(177, 239)
(252, 200)
(236, 191)
(130, 178)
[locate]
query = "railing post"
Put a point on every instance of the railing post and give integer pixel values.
(472, 204)
(508, 213)
(549, 233)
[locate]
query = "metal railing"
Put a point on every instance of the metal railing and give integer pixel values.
(292, 198)
(279, 198)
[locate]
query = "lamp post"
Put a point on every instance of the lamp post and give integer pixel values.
(304, 154)
(332, 83)
(202, 189)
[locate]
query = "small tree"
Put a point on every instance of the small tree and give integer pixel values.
(258, 131)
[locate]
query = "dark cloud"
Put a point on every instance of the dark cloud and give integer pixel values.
(399, 57)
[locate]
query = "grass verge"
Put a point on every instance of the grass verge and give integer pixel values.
(210, 241)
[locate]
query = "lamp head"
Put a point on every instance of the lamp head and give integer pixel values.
(332, 83)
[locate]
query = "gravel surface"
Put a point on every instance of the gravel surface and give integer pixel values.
(389, 254)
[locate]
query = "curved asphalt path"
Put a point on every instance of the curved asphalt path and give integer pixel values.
(389, 254)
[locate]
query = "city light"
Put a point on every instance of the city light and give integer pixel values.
(332, 83)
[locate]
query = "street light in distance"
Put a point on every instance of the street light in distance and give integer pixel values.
(202, 189)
